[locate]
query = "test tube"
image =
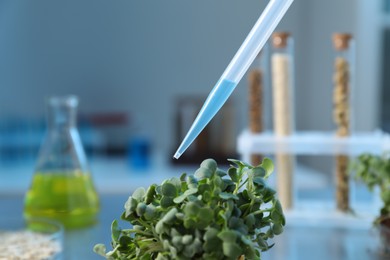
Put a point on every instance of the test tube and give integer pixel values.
(342, 111)
(258, 89)
(283, 110)
(343, 87)
(282, 61)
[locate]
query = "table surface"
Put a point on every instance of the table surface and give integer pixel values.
(301, 240)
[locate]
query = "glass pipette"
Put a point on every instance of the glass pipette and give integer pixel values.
(240, 63)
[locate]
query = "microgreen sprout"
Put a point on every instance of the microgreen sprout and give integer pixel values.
(374, 171)
(212, 214)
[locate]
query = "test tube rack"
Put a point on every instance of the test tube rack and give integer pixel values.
(312, 143)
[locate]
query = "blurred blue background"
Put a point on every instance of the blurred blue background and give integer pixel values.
(131, 62)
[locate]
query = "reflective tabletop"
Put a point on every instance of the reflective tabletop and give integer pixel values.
(301, 239)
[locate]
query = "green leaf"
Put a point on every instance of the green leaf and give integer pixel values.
(206, 196)
(230, 185)
(168, 190)
(150, 212)
(191, 209)
(160, 228)
(150, 193)
(139, 194)
(176, 182)
(251, 253)
(233, 174)
(277, 214)
(187, 239)
(203, 173)
(276, 217)
(228, 236)
(158, 190)
(125, 241)
(259, 181)
(210, 233)
(209, 164)
(183, 196)
(146, 257)
(177, 241)
(170, 217)
(189, 223)
(231, 250)
(220, 173)
(138, 227)
(204, 187)
(192, 249)
(180, 199)
(174, 232)
(201, 224)
(130, 206)
(250, 220)
(161, 257)
(216, 192)
(166, 202)
(239, 163)
(268, 166)
(245, 195)
(115, 231)
(244, 207)
(183, 177)
(228, 196)
(229, 206)
(141, 208)
(269, 233)
(180, 216)
(212, 242)
(246, 240)
(277, 229)
(237, 224)
(268, 194)
(167, 219)
(206, 215)
(191, 180)
(236, 212)
(262, 243)
(218, 182)
(100, 249)
(258, 172)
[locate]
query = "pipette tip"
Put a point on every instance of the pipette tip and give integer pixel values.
(177, 155)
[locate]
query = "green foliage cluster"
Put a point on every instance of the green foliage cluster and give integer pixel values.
(374, 171)
(212, 214)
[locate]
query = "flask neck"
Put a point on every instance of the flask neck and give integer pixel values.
(62, 112)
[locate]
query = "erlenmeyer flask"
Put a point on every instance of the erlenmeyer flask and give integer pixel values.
(62, 188)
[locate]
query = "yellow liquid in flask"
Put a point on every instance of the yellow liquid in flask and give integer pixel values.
(69, 198)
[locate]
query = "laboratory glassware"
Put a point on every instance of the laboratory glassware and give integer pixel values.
(343, 111)
(282, 64)
(62, 188)
(258, 97)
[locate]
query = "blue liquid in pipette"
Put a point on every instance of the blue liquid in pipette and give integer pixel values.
(217, 97)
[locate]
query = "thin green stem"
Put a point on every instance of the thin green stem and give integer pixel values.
(138, 232)
(238, 185)
(242, 184)
(261, 211)
(148, 226)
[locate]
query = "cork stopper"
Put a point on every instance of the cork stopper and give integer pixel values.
(341, 41)
(279, 39)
